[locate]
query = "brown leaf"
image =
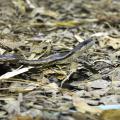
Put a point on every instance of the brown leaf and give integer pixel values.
(109, 41)
(110, 115)
(83, 107)
(20, 117)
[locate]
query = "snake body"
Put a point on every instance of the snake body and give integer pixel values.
(50, 59)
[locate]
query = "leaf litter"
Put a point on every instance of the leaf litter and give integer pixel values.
(70, 89)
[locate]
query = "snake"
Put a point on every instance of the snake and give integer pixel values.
(57, 57)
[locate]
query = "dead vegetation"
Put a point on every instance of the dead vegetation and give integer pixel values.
(74, 88)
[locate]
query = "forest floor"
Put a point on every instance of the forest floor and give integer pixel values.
(73, 89)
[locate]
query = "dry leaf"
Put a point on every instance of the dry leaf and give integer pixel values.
(60, 74)
(110, 115)
(18, 88)
(12, 107)
(109, 41)
(43, 11)
(11, 44)
(20, 5)
(14, 73)
(20, 117)
(83, 107)
(52, 87)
